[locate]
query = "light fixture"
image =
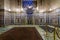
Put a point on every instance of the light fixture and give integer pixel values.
(29, 7)
(42, 10)
(37, 8)
(22, 9)
(53, 8)
(50, 9)
(9, 9)
(18, 10)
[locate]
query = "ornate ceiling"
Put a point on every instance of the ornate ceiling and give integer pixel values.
(41, 4)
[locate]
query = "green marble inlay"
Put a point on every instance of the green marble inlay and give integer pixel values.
(4, 29)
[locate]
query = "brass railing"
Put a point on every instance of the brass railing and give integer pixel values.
(56, 33)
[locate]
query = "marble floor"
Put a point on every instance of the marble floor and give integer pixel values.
(40, 29)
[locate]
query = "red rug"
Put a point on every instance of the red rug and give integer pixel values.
(21, 33)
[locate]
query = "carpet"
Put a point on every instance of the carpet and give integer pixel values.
(21, 33)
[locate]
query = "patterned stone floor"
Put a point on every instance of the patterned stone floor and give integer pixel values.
(42, 32)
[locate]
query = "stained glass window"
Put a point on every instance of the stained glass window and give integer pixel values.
(26, 3)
